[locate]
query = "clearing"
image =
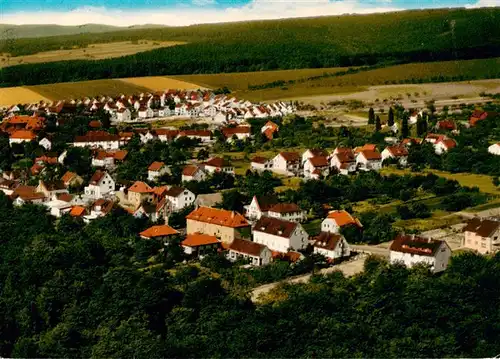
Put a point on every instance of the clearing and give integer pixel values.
(160, 83)
(92, 52)
(14, 95)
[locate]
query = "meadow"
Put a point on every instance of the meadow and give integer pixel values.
(91, 52)
(160, 83)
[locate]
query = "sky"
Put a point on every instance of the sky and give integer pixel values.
(188, 12)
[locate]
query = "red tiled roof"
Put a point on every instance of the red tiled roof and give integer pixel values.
(156, 166)
(217, 162)
(199, 133)
(269, 133)
(198, 239)
(285, 208)
(246, 247)
(158, 231)
(219, 217)
(415, 245)
(327, 240)
(97, 136)
(482, 227)
(371, 155)
(66, 197)
(343, 218)
(230, 131)
(190, 170)
(46, 159)
(23, 135)
(120, 155)
(290, 156)
(316, 152)
(366, 147)
(446, 125)
(398, 151)
(275, 226)
(140, 187)
(259, 159)
(449, 143)
(77, 211)
(98, 175)
(320, 161)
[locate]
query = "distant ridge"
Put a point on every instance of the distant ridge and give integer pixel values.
(24, 31)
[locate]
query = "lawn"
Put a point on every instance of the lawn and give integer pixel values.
(72, 90)
(92, 52)
(483, 182)
(439, 219)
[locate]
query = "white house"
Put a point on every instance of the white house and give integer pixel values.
(99, 208)
(202, 135)
(315, 167)
(494, 149)
(369, 160)
(57, 207)
(258, 254)
(21, 136)
(240, 132)
(286, 163)
(259, 207)
(156, 170)
(411, 250)
(279, 235)
(123, 115)
(311, 153)
(45, 143)
(338, 219)
(145, 112)
(287, 212)
(103, 159)
(199, 245)
(218, 164)
(100, 184)
(343, 160)
(443, 146)
(193, 173)
(261, 164)
(179, 197)
(98, 139)
(331, 245)
(396, 152)
(51, 188)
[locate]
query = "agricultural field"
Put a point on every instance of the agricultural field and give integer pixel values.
(15, 95)
(160, 83)
(71, 90)
(92, 52)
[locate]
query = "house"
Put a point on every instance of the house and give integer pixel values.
(160, 232)
(476, 116)
(21, 136)
(287, 212)
(123, 115)
(218, 164)
(199, 245)
(315, 152)
(27, 194)
(193, 173)
(179, 198)
(287, 163)
(261, 164)
(446, 125)
(365, 147)
(45, 143)
(259, 207)
(71, 179)
(368, 160)
(482, 235)
(494, 149)
(257, 254)
(444, 145)
(165, 135)
(414, 117)
(343, 160)
(316, 167)
(154, 210)
(338, 219)
(156, 170)
(208, 200)
(103, 159)
(239, 132)
(331, 245)
(98, 139)
(8, 186)
(51, 188)
(58, 207)
(279, 235)
(410, 250)
(139, 192)
(434, 138)
(398, 153)
(99, 208)
(145, 112)
(225, 225)
(100, 184)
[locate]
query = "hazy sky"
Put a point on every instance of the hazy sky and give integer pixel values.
(175, 12)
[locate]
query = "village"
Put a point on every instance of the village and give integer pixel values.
(266, 230)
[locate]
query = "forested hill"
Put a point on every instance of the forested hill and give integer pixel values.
(351, 40)
(70, 291)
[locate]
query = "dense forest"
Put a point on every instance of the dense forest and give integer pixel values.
(355, 40)
(73, 291)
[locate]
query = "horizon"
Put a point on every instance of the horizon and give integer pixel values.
(127, 13)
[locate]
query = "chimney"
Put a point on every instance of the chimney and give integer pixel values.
(232, 214)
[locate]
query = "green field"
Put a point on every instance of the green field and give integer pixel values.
(82, 89)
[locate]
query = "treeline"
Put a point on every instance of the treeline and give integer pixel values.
(279, 44)
(75, 291)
